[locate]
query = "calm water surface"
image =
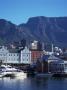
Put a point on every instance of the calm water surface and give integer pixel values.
(33, 84)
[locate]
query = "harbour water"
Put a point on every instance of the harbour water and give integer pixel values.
(33, 83)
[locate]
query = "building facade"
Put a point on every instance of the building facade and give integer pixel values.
(3, 53)
(55, 64)
(52, 64)
(7, 56)
(13, 58)
(35, 55)
(25, 56)
(58, 66)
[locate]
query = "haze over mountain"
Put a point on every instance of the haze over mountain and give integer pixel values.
(44, 29)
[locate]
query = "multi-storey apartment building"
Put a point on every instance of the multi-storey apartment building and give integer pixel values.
(8, 56)
(25, 56)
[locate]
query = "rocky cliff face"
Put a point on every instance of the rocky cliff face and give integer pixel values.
(44, 29)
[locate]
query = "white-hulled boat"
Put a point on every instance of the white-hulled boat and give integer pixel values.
(6, 70)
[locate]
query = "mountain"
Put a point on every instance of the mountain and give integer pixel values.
(43, 29)
(7, 31)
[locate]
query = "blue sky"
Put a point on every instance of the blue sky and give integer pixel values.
(18, 11)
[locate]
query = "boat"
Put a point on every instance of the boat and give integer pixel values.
(20, 75)
(9, 71)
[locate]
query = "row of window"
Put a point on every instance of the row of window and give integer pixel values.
(14, 59)
(58, 64)
(2, 55)
(25, 59)
(10, 55)
(13, 54)
(26, 55)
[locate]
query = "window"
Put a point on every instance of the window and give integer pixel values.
(65, 65)
(27, 59)
(14, 54)
(17, 55)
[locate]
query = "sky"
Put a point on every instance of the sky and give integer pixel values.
(19, 11)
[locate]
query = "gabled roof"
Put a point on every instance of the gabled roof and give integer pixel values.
(58, 62)
(50, 57)
(13, 50)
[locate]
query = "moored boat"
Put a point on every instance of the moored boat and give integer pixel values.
(8, 71)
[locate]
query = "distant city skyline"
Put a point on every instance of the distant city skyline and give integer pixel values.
(19, 11)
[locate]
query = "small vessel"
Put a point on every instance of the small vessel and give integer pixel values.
(20, 75)
(9, 71)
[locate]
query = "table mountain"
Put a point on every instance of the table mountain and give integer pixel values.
(44, 29)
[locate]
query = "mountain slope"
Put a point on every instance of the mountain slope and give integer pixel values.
(48, 29)
(44, 29)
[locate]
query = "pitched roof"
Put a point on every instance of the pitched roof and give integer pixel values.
(13, 50)
(50, 57)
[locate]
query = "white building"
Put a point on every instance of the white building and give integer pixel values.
(3, 53)
(34, 45)
(13, 57)
(8, 56)
(25, 56)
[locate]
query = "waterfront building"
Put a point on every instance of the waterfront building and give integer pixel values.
(50, 63)
(25, 56)
(55, 64)
(58, 66)
(34, 45)
(9, 56)
(13, 58)
(3, 53)
(35, 55)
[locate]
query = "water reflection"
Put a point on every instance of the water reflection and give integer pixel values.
(11, 84)
(33, 84)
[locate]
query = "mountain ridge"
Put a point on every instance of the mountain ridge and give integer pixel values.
(43, 29)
